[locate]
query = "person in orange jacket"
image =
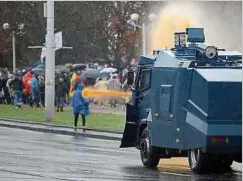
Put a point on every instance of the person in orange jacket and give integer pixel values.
(27, 85)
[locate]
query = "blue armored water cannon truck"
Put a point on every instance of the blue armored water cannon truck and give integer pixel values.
(187, 101)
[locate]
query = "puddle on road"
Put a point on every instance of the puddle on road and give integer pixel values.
(180, 166)
(174, 165)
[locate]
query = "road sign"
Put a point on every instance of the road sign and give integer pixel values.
(58, 45)
(58, 40)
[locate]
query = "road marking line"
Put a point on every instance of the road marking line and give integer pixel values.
(187, 175)
(178, 174)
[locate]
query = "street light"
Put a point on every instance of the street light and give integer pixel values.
(152, 17)
(134, 18)
(6, 26)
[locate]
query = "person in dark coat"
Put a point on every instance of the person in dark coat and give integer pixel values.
(6, 98)
(42, 91)
(1, 90)
(61, 92)
(80, 106)
(17, 86)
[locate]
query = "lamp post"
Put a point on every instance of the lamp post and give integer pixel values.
(50, 63)
(134, 18)
(50, 46)
(6, 26)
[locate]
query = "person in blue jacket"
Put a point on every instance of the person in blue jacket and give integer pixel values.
(80, 106)
(35, 91)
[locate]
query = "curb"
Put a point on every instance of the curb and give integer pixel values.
(57, 126)
(20, 124)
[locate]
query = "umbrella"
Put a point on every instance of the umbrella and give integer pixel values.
(59, 69)
(108, 70)
(91, 73)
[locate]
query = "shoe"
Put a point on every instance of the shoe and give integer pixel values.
(84, 128)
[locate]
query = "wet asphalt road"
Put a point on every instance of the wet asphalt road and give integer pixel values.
(27, 155)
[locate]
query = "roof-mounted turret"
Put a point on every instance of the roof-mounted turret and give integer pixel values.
(196, 48)
(190, 47)
(195, 35)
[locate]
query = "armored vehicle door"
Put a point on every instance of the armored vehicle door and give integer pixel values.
(136, 111)
(130, 132)
(142, 99)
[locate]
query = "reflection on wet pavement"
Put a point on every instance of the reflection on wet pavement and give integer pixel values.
(174, 165)
(27, 155)
(170, 175)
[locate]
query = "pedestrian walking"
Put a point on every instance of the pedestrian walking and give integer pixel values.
(72, 84)
(42, 90)
(9, 89)
(27, 87)
(61, 92)
(17, 86)
(6, 98)
(101, 85)
(114, 85)
(1, 89)
(80, 105)
(35, 91)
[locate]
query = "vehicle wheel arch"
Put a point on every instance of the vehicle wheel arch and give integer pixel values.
(141, 127)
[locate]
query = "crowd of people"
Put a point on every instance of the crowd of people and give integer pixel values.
(29, 88)
(17, 90)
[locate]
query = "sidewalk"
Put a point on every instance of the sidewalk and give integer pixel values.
(48, 128)
(59, 129)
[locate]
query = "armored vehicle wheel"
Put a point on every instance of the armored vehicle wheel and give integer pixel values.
(238, 159)
(147, 152)
(198, 161)
(226, 162)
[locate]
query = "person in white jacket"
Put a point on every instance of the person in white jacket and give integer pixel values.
(10, 79)
(115, 85)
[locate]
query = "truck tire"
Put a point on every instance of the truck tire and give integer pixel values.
(221, 163)
(226, 162)
(147, 152)
(199, 162)
(238, 159)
